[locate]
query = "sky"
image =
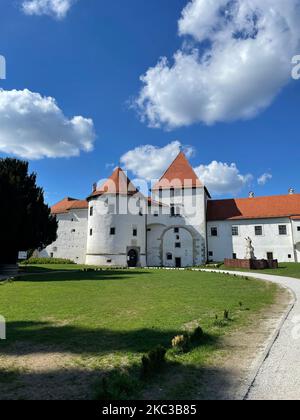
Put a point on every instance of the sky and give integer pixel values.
(93, 84)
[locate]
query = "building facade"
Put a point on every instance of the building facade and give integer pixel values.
(180, 225)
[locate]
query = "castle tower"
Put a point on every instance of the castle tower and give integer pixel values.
(183, 238)
(116, 224)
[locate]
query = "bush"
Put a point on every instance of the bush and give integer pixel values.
(181, 343)
(153, 361)
(44, 261)
(117, 386)
(197, 335)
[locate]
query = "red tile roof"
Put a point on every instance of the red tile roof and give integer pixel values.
(67, 204)
(254, 208)
(117, 183)
(180, 174)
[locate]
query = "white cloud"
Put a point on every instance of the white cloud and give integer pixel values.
(262, 180)
(150, 162)
(221, 178)
(54, 8)
(34, 127)
(239, 61)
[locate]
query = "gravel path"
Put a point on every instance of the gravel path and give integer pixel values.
(279, 375)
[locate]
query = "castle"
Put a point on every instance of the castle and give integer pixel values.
(180, 225)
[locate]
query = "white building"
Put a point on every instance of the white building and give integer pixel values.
(178, 226)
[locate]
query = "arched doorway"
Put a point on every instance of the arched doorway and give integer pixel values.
(132, 258)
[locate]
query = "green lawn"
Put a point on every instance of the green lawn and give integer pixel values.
(285, 269)
(109, 319)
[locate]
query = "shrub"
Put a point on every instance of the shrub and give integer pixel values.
(197, 335)
(153, 361)
(44, 261)
(116, 386)
(181, 343)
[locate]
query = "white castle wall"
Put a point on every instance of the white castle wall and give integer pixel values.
(106, 249)
(296, 236)
(225, 245)
(71, 237)
(191, 220)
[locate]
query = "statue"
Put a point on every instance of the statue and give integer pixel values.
(249, 250)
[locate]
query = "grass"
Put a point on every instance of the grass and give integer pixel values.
(107, 320)
(285, 270)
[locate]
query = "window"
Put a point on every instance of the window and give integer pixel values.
(51, 255)
(210, 254)
(282, 230)
(235, 231)
(298, 228)
(108, 261)
(172, 192)
(176, 230)
(169, 257)
(178, 245)
(156, 214)
(134, 232)
(172, 211)
(258, 230)
(73, 230)
(112, 231)
(289, 256)
(91, 211)
(214, 231)
(177, 237)
(91, 232)
(270, 256)
(160, 193)
(234, 256)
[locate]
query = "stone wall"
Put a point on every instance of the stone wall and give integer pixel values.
(251, 264)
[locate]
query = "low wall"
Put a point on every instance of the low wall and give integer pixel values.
(251, 264)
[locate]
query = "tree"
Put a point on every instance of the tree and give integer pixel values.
(25, 220)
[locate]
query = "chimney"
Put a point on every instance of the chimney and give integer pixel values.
(291, 191)
(94, 187)
(251, 194)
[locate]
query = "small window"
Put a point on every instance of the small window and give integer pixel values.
(172, 192)
(51, 255)
(258, 230)
(160, 193)
(91, 232)
(234, 256)
(91, 211)
(112, 231)
(298, 228)
(210, 254)
(173, 211)
(73, 230)
(289, 256)
(134, 232)
(149, 230)
(108, 261)
(177, 237)
(176, 230)
(214, 231)
(178, 245)
(270, 256)
(235, 231)
(156, 214)
(169, 257)
(282, 230)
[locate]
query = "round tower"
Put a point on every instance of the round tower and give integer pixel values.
(116, 224)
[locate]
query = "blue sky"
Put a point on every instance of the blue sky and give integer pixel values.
(91, 61)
